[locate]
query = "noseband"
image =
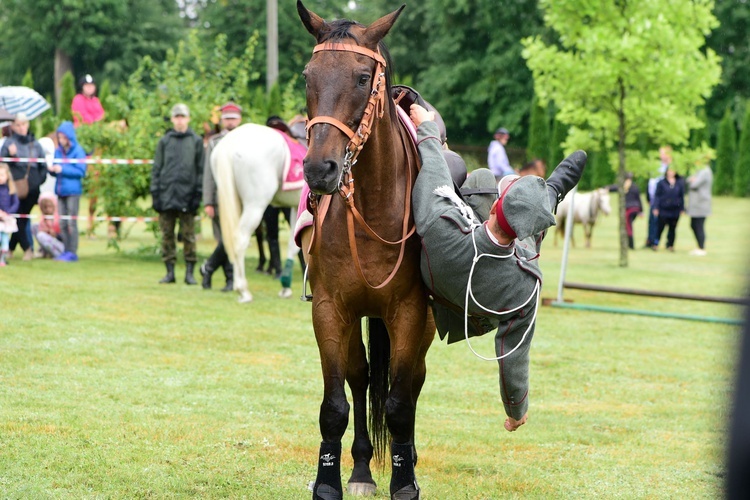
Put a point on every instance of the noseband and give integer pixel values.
(375, 104)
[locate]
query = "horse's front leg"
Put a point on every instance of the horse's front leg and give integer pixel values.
(410, 339)
(360, 482)
(333, 338)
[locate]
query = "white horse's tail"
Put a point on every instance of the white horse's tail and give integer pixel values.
(230, 206)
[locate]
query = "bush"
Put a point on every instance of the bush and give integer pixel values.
(725, 155)
(742, 171)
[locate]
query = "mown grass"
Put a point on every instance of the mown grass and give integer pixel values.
(112, 386)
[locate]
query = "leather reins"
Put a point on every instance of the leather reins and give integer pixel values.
(374, 108)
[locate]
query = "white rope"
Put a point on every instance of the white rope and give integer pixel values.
(470, 293)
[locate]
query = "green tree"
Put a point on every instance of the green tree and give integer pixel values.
(200, 77)
(731, 43)
(538, 145)
(238, 19)
(28, 79)
(475, 74)
(67, 93)
(699, 136)
(608, 73)
(106, 38)
(559, 135)
(742, 172)
(602, 174)
(105, 90)
(726, 145)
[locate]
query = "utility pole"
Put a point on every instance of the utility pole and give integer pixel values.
(272, 43)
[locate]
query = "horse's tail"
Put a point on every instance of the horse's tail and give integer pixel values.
(230, 207)
(379, 353)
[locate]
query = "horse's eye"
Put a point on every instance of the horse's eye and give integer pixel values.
(363, 79)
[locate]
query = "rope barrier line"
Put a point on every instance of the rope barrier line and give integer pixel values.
(120, 218)
(88, 161)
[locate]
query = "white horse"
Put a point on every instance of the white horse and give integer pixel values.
(248, 165)
(587, 207)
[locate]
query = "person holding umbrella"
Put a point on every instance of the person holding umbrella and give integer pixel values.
(28, 177)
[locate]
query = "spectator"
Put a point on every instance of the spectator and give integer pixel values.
(47, 232)
(633, 206)
(497, 157)
(231, 117)
(69, 187)
(176, 187)
(494, 263)
(8, 205)
(652, 240)
(86, 107)
(534, 167)
(699, 205)
(668, 203)
(22, 144)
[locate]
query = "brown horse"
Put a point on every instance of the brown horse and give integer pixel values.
(364, 256)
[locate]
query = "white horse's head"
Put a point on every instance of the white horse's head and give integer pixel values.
(604, 204)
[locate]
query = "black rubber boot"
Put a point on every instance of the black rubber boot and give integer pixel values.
(403, 481)
(261, 250)
(189, 279)
(630, 242)
(565, 177)
(169, 277)
(328, 482)
(206, 274)
(229, 273)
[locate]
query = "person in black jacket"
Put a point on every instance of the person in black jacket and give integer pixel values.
(22, 144)
(176, 190)
(668, 204)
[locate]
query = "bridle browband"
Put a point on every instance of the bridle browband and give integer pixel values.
(376, 102)
(375, 108)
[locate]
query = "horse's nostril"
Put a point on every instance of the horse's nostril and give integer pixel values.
(333, 166)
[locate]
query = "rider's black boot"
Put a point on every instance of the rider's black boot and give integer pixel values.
(565, 177)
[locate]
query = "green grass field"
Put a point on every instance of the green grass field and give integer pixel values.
(112, 386)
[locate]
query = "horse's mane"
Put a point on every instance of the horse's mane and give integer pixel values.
(339, 29)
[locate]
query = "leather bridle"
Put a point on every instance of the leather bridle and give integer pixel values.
(374, 108)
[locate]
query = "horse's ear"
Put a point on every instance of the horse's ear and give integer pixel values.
(313, 22)
(377, 30)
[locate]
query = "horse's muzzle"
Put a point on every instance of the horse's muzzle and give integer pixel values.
(322, 176)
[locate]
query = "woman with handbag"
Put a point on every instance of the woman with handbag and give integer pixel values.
(27, 176)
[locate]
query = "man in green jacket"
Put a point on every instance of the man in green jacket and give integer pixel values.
(480, 259)
(176, 188)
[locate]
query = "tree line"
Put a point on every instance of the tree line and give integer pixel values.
(465, 56)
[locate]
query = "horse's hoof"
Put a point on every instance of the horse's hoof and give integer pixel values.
(285, 293)
(410, 492)
(245, 298)
(361, 489)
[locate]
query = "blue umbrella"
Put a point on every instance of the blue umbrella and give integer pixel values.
(23, 100)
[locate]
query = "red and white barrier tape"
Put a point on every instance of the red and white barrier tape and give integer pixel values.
(122, 218)
(88, 161)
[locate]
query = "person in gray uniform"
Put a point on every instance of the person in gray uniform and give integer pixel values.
(480, 254)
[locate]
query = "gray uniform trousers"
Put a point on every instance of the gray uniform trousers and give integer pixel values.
(505, 278)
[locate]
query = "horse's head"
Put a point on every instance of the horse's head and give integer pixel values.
(346, 69)
(604, 205)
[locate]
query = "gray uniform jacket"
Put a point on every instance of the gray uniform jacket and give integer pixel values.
(699, 193)
(498, 284)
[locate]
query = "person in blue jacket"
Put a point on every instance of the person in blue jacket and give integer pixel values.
(68, 187)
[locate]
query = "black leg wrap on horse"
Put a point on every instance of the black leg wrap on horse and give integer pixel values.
(403, 481)
(565, 176)
(328, 482)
